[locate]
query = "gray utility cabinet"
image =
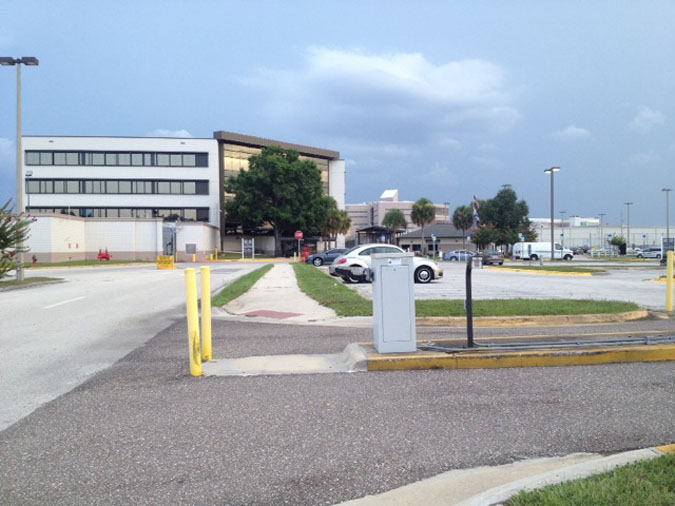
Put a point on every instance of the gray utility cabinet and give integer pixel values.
(393, 303)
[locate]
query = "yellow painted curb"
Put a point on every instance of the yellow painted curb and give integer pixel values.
(508, 359)
(667, 449)
(532, 321)
(535, 271)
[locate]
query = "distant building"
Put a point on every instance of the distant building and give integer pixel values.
(371, 214)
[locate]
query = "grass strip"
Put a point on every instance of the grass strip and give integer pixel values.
(554, 268)
(330, 292)
(85, 263)
(26, 281)
(522, 307)
(646, 483)
(239, 287)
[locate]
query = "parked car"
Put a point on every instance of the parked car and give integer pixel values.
(492, 256)
(326, 257)
(351, 265)
(653, 252)
(459, 255)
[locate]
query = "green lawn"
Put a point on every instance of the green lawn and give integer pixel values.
(555, 268)
(330, 292)
(646, 483)
(239, 287)
(27, 281)
(85, 263)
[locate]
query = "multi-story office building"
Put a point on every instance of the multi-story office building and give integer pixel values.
(174, 179)
(123, 177)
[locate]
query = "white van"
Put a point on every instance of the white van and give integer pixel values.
(537, 250)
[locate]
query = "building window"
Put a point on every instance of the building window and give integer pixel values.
(136, 158)
(124, 159)
(163, 187)
(189, 188)
(72, 159)
(163, 159)
(59, 158)
(112, 187)
(125, 187)
(202, 187)
(189, 159)
(33, 187)
(46, 158)
(72, 187)
(32, 158)
(175, 188)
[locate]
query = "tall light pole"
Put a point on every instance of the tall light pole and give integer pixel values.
(667, 190)
(628, 204)
(552, 171)
(30, 61)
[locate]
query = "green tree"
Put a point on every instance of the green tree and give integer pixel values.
(484, 236)
(14, 230)
(508, 215)
(394, 220)
(280, 190)
(462, 219)
(423, 213)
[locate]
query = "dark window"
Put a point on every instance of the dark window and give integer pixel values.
(202, 187)
(202, 214)
(202, 159)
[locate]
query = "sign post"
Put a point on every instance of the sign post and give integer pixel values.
(433, 243)
(298, 237)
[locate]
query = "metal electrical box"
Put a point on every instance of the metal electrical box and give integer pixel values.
(393, 303)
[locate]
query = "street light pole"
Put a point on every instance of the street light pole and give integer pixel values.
(30, 61)
(552, 171)
(667, 190)
(628, 204)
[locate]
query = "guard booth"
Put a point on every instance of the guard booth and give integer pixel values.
(394, 328)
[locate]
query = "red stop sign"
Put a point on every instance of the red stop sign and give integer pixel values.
(298, 234)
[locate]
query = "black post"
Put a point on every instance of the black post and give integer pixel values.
(468, 304)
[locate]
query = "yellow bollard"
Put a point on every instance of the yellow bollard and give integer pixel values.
(193, 322)
(194, 258)
(207, 354)
(669, 282)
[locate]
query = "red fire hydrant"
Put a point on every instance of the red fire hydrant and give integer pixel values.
(305, 253)
(103, 255)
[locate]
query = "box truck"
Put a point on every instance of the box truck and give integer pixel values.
(537, 250)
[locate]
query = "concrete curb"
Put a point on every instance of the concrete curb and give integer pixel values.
(452, 487)
(30, 285)
(536, 271)
(532, 321)
(500, 359)
(575, 472)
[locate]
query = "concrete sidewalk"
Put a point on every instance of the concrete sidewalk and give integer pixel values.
(276, 296)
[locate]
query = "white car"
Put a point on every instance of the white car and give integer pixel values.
(351, 265)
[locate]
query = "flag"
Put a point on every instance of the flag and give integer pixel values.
(476, 207)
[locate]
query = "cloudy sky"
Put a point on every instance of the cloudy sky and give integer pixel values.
(439, 99)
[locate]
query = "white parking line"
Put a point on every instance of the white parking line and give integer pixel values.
(63, 302)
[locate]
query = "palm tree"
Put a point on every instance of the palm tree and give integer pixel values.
(423, 213)
(394, 219)
(462, 219)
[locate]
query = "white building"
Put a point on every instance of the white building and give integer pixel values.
(123, 177)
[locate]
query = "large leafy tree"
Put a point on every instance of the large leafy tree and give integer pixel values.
(484, 236)
(14, 230)
(508, 215)
(394, 220)
(423, 212)
(462, 219)
(281, 190)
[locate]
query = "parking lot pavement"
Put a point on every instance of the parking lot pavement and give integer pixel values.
(622, 284)
(145, 432)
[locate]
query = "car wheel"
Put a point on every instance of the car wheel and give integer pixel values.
(658, 256)
(567, 258)
(534, 257)
(317, 262)
(501, 263)
(639, 255)
(347, 280)
(423, 275)
(454, 259)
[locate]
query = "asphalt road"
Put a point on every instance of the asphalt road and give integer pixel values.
(54, 337)
(144, 432)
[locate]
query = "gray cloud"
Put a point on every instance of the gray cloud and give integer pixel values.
(390, 98)
(571, 133)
